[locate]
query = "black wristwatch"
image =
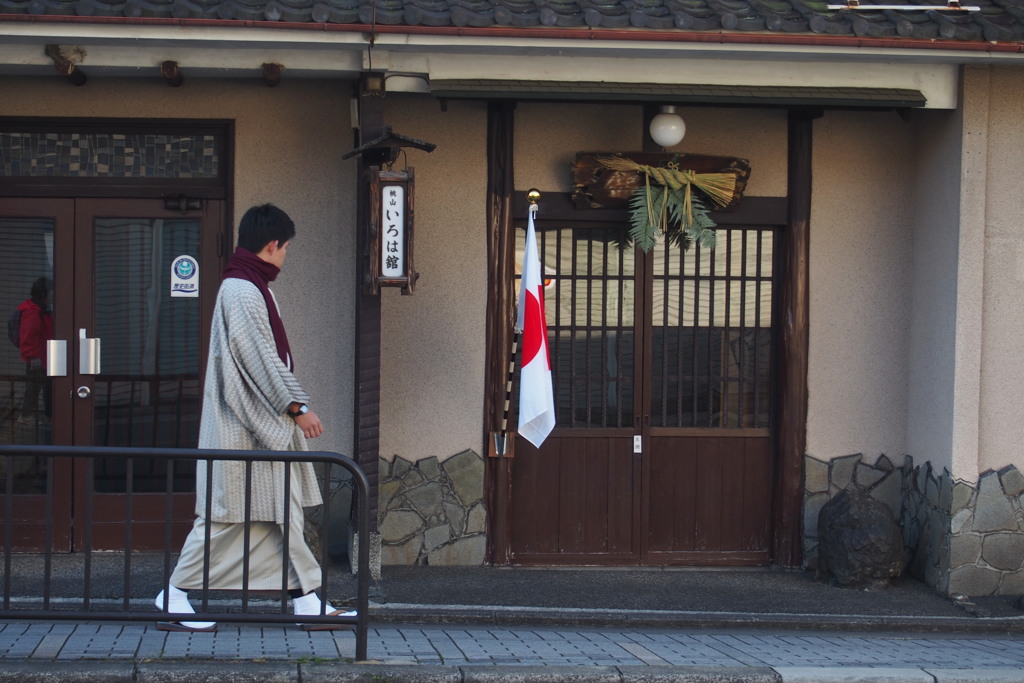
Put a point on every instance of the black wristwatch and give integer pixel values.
(303, 409)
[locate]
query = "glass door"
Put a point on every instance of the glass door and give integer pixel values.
(146, 280)
(133, 285)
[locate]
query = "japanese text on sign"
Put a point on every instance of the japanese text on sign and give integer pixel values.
(392, 252)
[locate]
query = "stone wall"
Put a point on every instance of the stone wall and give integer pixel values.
(961, 538)
(968, 539)
(432, 512)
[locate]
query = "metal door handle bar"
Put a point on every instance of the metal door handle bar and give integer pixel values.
(88, 354)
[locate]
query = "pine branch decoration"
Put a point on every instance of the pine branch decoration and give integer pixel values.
(669, 206)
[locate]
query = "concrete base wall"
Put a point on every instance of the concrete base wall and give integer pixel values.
(961, 538)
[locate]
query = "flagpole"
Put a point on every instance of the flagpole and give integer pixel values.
(500, 439)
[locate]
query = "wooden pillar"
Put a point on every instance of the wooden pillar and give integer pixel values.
(500, 316)
(790, 427)
(366, 422)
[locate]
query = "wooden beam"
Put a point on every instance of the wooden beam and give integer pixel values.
(172, 73)
(794, 310)
(272, 74)
(500, 317)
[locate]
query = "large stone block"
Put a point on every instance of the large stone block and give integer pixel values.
(426, 498)
(973, 581)
(812, 506)
(962, 493)
(1012, 480)
(841, 472)
(399, 525)
(964, 549)
(476, 521)
(993, 510)
(1012, 584)
(962, 521)
(405, 554)
(1004, 550)
(466, 551)
(815, 475)
(437, 536)
(867, 476)
(859, 542)
(466, 472)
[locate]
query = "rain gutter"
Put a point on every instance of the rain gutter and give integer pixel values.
(634, 35)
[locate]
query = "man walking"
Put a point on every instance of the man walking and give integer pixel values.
(251, 400)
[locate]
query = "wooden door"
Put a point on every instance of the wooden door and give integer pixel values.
(662, 365)
(707, 401)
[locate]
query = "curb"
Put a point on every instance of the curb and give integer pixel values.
(542, 616)
(214, 671)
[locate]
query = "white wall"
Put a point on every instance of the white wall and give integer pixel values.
(860, 241)
(433, 342)
(1002, 348)
(288, 146)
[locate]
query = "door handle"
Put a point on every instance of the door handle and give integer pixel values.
(88, 354)
(56, 358)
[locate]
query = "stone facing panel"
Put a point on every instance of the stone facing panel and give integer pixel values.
(962, 539)
(432, 512)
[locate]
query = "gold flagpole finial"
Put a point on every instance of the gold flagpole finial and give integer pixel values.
(533, 195)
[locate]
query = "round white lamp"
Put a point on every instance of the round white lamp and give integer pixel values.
(667, 128)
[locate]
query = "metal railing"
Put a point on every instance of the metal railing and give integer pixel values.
(90, 608)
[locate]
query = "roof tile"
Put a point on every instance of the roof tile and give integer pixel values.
(997, 20)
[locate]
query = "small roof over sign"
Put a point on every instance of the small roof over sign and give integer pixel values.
(391, 141)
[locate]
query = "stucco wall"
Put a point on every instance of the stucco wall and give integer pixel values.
(548, 136)
(859, 285)
(288, 146)
(1002, 350)
(933, 289)
(432, 348)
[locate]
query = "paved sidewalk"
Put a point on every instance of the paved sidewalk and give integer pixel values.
(35, 651)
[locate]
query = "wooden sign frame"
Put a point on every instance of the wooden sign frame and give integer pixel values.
(391, 221)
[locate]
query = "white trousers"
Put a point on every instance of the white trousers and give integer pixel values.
(266, 557)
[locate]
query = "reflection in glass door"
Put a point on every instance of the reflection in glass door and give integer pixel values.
(28, 305)
(147, 393)
(34, 294)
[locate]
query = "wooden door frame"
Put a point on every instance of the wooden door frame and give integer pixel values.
(789, 428)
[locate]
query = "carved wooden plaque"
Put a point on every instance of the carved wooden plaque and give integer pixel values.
(597, 187)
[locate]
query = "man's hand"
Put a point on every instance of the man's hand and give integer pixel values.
(310, 425)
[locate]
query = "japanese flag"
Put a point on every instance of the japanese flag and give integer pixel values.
(536, 398)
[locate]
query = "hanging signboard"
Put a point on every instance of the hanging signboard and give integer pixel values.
(391, 230)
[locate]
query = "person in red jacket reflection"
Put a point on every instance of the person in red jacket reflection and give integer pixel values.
(35, 327)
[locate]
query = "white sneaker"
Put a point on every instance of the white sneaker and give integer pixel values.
(177, 603)
(310, 605)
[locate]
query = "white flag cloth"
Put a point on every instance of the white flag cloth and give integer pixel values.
(536, 397)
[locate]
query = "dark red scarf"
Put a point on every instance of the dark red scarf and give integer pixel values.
(246, 265)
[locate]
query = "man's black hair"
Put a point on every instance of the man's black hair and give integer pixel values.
(262, 225)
